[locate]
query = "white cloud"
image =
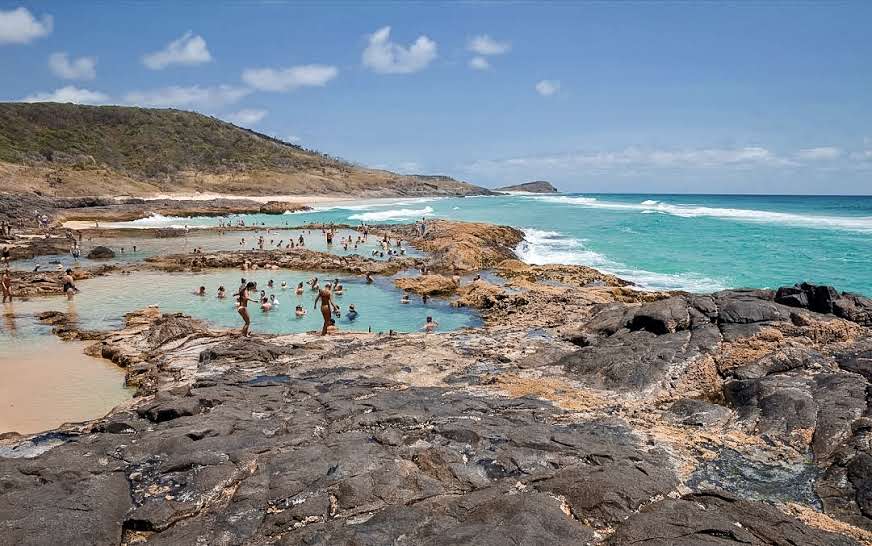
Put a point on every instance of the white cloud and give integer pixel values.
(635, 158)
(19, 26)
(286, 79)
(485, 45)
(69, 93)
(190, 49)
(479, 63)
(195, 96)
(546, 88)
(292, 139)
(385, 57)
(246, 116)
(83, 68)
(822, 153)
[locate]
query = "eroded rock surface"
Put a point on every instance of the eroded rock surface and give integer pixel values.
(610, 419)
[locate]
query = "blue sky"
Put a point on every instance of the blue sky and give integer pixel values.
(614, 97)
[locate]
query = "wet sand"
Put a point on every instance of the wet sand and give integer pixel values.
(55, 383)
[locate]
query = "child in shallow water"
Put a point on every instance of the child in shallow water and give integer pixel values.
(300, 312)
(221, 292)
(299, 290)
(265, 305)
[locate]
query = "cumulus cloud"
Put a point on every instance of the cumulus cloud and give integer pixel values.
(246, 116)
(83, 68)
(19, 26)
(287, 79)
(69, 93)
(479, 63)
(190, 49)
(822, 153)
(195, 96)
(485, 45)
(635, 158)
(386, 57)
(546, 88)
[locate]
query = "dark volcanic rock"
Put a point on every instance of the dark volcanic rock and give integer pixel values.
(827, 300)
(698, 413)
(717, 519)
(640, 359)
(101, 252)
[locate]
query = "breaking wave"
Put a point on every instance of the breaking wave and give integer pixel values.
(394, 214)
(551, 247)
(852, 223)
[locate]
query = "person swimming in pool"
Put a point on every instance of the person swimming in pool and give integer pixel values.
(221, 292)
(369, 279)
(200, 291)
(405, 299)
(242, 299)
(313, 284)
(352, 313)
(265, 305)
(284, 285)
(299, 290)
(273, 300)
(338, 289)
(299, 311)
(325, 297)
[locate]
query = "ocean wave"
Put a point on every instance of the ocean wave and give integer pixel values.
(157, 220)
(851, 223)
(551, 247)
(394, 214)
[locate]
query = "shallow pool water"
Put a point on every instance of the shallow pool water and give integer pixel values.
(103, 301)
(209, 242)
(45, 382)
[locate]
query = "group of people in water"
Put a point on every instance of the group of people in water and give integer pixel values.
(325, 301)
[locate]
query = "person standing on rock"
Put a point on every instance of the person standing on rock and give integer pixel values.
(242, 306)
(327, 305)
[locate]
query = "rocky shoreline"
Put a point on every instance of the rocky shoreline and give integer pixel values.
(582, 412)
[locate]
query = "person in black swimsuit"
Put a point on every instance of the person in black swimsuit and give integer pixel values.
(69, 285)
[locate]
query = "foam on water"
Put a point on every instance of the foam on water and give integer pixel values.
(552, 247)
(393, 214)
(853, 223)
(156, 220)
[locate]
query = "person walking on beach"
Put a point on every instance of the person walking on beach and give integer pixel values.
(242, 307)
(327, 305)
(6, 286)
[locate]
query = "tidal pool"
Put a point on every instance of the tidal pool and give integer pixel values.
(208, 241)
(46, 382)
(103, 301)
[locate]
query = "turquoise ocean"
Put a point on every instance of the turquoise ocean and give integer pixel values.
(698, 243)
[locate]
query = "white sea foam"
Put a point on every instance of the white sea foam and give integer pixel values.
(551, 247)
(157, 220)
(393, 214)
(852, 223)
(366, 204)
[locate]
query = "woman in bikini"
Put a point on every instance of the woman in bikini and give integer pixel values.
(327, 305)
(242, 306)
